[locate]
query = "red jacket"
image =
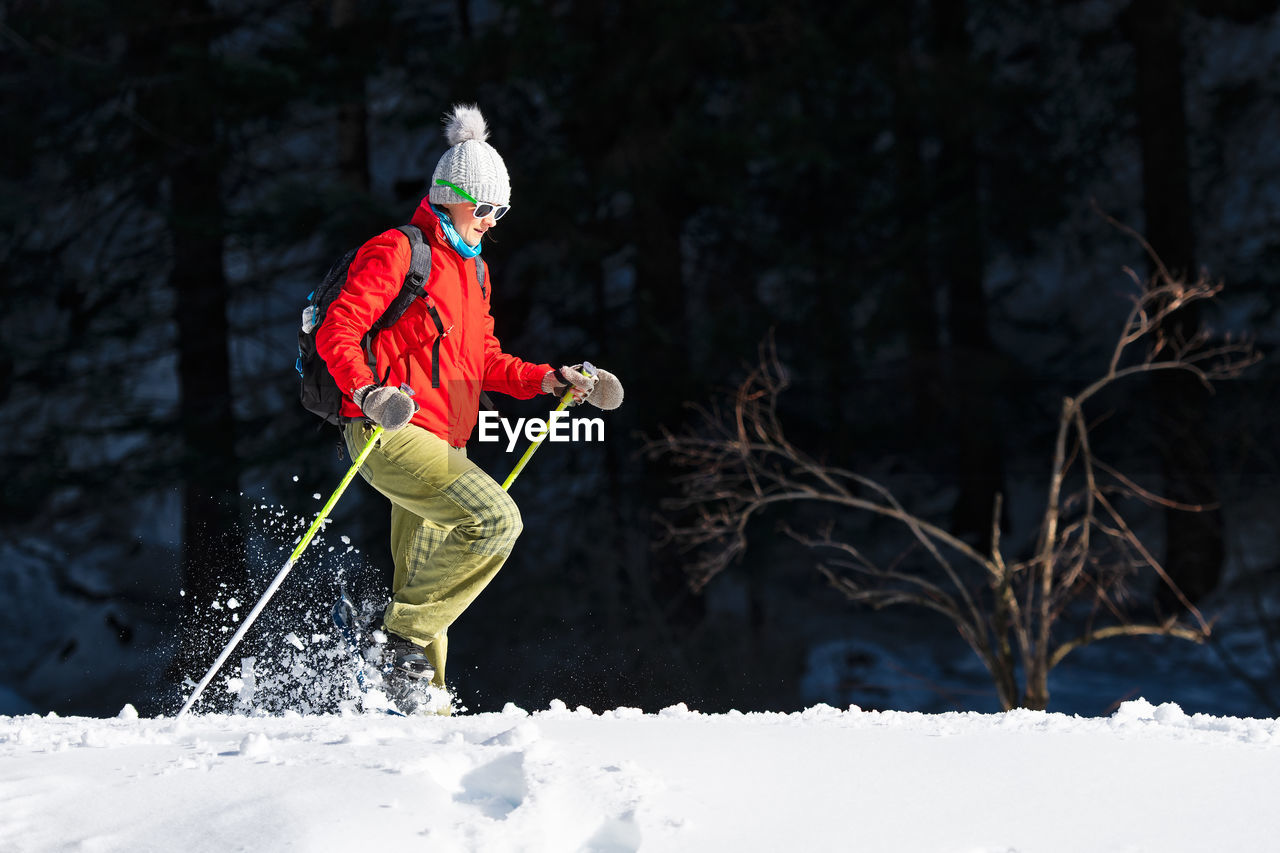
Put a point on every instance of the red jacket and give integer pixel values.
(471, 358)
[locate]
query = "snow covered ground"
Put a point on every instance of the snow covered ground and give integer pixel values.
(1147, 778)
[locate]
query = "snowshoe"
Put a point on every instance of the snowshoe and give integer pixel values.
(406, 679)
(392, 674)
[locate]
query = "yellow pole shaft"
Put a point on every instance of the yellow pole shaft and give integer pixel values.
(528, 454)
(320, 519)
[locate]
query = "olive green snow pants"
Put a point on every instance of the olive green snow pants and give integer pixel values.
(452, 528)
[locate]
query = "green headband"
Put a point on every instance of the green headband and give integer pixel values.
(459, 190)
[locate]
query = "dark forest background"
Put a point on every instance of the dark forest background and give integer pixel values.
(911, 197)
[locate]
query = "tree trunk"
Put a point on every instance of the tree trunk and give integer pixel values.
(973, 361)
(353, 110)
(213, 546)
(919, 295)
(464, 19)
(188, 139)
(1194, 546)
(351, 94)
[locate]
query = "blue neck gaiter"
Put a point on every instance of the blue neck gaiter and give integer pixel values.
(452, 235)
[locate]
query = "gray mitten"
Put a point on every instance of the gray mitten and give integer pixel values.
(598, 387)
(608, 391)
(569, 379)
(389, 408)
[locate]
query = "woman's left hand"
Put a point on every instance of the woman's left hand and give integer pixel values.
(569, 378)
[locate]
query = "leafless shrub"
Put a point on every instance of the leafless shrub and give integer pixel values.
(738, 462)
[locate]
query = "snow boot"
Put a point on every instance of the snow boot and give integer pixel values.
(406, 678)
(402, 656)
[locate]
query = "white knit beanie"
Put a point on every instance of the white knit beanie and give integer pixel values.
(470, 163)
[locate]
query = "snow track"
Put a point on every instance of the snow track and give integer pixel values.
(1146, 778)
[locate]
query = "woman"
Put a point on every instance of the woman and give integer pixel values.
(452, 526)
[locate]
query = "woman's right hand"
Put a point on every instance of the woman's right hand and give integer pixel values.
(389, 408)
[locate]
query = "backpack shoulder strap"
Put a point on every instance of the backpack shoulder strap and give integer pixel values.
(419, 261)
(415, 279)
(480, 273)
(415, 287)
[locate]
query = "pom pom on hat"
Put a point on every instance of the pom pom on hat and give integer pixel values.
(465, 123)
(471, 163)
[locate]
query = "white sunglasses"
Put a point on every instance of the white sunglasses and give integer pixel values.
(483, 208)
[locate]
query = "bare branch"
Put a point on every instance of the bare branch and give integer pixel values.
(1163, 272)
(1195, 635)
(1150, 560)
(1151, 497)
(737, 463)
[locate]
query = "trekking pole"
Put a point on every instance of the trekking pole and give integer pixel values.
(528, 454)
(279, 578)
(606, 394)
